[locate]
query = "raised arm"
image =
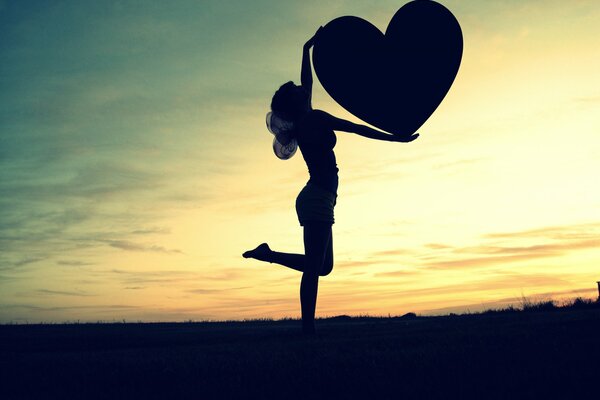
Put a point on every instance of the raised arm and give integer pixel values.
(306, 79)
(338, 124)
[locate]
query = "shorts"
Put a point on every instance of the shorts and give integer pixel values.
(315, 204)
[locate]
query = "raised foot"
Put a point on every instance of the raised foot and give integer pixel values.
(261, 253)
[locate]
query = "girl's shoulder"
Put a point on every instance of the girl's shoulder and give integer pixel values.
(315, 120)
(314, 127)
(318, 114)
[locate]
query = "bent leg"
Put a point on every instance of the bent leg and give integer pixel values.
(291, 260)
(327, 266)
(317, 236)
(298, 261)
(264, 253)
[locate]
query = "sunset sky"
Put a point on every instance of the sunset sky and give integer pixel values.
(135, 165)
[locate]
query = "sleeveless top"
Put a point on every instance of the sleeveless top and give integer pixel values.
(316, 142)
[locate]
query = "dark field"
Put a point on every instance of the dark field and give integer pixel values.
(513, 355)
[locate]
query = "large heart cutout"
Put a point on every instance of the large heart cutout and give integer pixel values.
(393, 81)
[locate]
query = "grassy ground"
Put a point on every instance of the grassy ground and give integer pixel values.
(507, 355)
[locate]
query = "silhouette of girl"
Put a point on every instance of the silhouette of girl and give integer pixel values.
(314, 132)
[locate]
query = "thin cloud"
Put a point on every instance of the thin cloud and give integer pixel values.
(437, 246)
(577, 231)
(130, 246)
(139, 278)
(512, 254)
(392, 253)
(73, 263)
(8, 266)
(550, 249)
(63, 293)
(477, 262)
(149, 231)
(26, 261)
(458, 163)
(555, 241)
(180, 278)
(99, 307)
(468, 288)
(213, 291)
(399, 273)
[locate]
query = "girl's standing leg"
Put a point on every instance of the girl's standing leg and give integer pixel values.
(317, 238)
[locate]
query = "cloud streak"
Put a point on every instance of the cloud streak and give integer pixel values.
(549, 242)
(63, 293)
(130, 246)
(217, 291)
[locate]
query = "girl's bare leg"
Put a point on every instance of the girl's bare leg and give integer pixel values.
(317, 261)
(317, 237)
(290, 260)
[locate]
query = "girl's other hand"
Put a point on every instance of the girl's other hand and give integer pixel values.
(404, 139)
(311, 41)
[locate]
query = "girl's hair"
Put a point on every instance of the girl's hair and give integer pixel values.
(287, 103)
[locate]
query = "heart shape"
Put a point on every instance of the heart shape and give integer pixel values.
(393, 81)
